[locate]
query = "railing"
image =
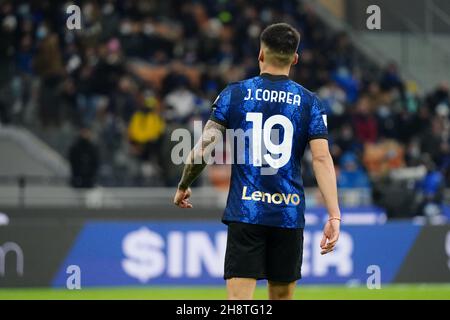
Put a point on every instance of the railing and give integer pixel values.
(38, 192)
(48, 192)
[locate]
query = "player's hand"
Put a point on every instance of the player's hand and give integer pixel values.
(330, 236)
(181, 198)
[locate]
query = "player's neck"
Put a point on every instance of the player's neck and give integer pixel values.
(275, 71)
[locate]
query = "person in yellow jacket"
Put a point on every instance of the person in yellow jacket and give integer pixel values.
(146, 128)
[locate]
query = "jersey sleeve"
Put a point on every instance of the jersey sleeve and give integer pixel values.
(318, 121)
(221, 107)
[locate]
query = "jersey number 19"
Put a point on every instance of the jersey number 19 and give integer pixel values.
(263, 134)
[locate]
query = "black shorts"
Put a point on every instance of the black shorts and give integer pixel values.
(263, 252)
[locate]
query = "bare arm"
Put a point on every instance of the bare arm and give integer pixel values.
(326, 179)
(325, 175)
(197, 161)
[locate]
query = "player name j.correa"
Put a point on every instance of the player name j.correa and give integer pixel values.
(273, 96)
(276, 198)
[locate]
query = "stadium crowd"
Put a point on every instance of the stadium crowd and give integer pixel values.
(139, 69)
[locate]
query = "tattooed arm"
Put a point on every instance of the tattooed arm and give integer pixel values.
(197, 161)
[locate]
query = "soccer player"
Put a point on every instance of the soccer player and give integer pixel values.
(265, 212)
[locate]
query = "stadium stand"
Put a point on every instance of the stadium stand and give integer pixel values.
(161, 64)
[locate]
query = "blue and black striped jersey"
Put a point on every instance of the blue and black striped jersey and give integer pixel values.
(278, 117)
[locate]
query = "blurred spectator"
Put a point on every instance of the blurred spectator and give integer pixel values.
(380, 158)
(180, 102)
(391, 80)
(84, 160)
(440, 95)
(350, 174)
(344, 142)
(48, 66)
(333, 98)
(124, 100)
(432, 142)
(364, 121)
(348, 82)
(431, 191)
(8, 32)
(146, 129)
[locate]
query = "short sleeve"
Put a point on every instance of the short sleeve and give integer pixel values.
(318, 121)
(221, 106)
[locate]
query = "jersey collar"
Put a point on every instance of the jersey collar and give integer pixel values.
(274, 77)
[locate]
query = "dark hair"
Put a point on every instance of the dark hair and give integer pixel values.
(282, 40)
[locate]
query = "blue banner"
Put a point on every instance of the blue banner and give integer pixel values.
(192, 253)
